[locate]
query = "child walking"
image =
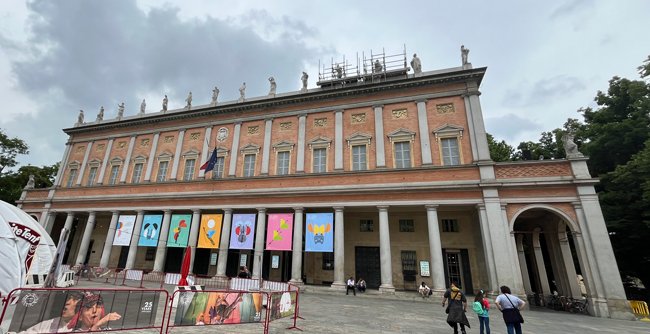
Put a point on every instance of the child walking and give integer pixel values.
(481, 307)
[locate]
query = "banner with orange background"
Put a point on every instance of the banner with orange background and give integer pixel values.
(210, 232)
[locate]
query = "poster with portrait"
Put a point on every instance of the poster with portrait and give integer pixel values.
(217, 308)
(124, 230)
(210, 231)
(242, 231)
(279, 231)
(62, 311)
(150, 230)
(283, 304)
(319, 232)
(179, 230)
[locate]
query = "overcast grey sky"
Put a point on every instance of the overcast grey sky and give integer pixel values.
(545, 59)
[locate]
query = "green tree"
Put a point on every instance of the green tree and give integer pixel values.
(499, 151)
(12, 183)
(550, 144)
(9, 150)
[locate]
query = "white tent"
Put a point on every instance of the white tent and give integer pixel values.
(25, 248)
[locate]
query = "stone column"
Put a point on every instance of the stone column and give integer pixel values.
(487, 248)
(539, 260)
(522, 263)
(49, 221)
(108, 245)
(194, 235)
(266, 150)
(107, 154)
(205, 153)
(224, 245)
(232, 168)
(68, 225)
(85, 240)
(161, 250)
(478, 139)
(63, 166)
(82, 169)
(133, 247)
(127, 160)
(339, 249)
(517, 281)
(380, 152)
(177, 154)
(259, 243)
(425, 138)
(569, 266)
(435, 248)
(338, 140)
(300, 158)
(152, 157)
(296, 260)
(384, 252)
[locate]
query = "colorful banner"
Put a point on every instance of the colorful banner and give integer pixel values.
(62, 311)
(280, 231)
(124, 230)
(210, 232)
(242, 231)
(149, 233)
(319, 235)
(179, 230)
(216, 308)
(283, 304)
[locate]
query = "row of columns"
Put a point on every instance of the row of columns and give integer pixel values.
(435, 244)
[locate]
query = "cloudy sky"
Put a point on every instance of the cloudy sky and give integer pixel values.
(545, 59)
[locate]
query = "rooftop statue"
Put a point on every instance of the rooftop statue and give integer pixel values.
(378, 67)
(215, 95)
(242, 92)
(416, 64)
(189, 101)
(463, 54)
(120, 110)
(273, 86)
(143, 106)
(570, 147)
(164, 103)
(338, 71)
(100, 115)
(80, 118)
(304, 78)
(30, 183)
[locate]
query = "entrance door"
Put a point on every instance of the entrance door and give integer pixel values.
(174, 259)
(124, 254)
(201, 261)
(232, 265)
(457, 269)
(367, 266)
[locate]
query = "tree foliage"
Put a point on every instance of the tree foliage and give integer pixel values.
(13, 182)
(9, 150)
(550, 144)
(499, 151)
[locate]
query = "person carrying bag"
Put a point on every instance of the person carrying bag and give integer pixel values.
(509, 306)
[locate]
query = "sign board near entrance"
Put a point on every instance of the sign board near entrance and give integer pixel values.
(424, 269)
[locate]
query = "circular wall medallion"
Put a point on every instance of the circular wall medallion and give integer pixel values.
(222, 134)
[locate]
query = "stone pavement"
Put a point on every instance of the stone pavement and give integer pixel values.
(325, 311)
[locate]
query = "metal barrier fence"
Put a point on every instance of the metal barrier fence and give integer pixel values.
(640, 309)
(47, 310)
(244, 284)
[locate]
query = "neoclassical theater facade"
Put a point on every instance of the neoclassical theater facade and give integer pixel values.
(399, 160)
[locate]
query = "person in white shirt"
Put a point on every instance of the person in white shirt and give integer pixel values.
(424, 290)
(350, 286)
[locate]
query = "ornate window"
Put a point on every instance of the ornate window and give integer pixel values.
(219, 167)
(115, 170)
(190, 163)
(283, 157)
(402, 140)
(92, 174)
(72, 174)
(319, 148)
(448, 138)
(358, 144)
(162, 171)
(249, 152)
(137, 172)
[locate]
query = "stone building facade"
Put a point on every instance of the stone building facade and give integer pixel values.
(402, 162)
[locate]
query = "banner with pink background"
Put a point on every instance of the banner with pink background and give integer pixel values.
(279, 231)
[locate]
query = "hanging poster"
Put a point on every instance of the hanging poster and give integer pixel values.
(210, 232)
(124, 230)
(242, 231)
(151, 225)
(216, 308)
(179, 230)
(280, 231)
(319, 235)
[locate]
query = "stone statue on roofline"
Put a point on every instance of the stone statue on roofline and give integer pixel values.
(80, 118)
(215, 95)
(164, 103)
(120, 110)
(416, 64)
(272, 87)
(570, 147)
(189, 101)
(378, 67)
(242, 92)
(143, 106)
(304, 78)
(463, 55)
(100, 114)
(31, 182)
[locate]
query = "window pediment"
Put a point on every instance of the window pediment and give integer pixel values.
(359, 139)
(191, 154)
(319, 142)
(222, 151)
(117, 161)
(140, 159)
(448, 130)
(165, 156)
(283, 146)
(74, 165)
(401, 135)
(250, 149)
(94, 162)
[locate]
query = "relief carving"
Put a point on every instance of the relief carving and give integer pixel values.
(100, 147)
(320, 122)
(194, 136)
(145, 142)
(80, 149)
(400, 114)
(286, 125)
(121, 145)
(168, 139)
(253, 130)
(446, 108)
(358, 118)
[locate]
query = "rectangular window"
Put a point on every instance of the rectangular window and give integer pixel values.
(409, 261)
(450, 225)
(249, 165)
(137, 173)
(406, 225)
(91, 176)
(359, 157)
(162, 171)
(328, 261)
(188, 172)
(283, 163)
(450, 155)
(71, 177)
(217, 172)
(366, 225)
(320, 160)
(114, 171)
(403, 154)
(150, 255)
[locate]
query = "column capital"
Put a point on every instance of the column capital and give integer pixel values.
(420, 101)
(577, 205)
(338, 111)
(268, 118)
(377, 106)
(167, 211)
(302, 115)
(182, 130)
(338, 208)
(139, 212)
(382, 207)
(70, 213)
(196, 211)
(480, 206)
(227, 210)
(432, 207)
(261, 210)
(92, 213)
(115, 212)
(298, 208)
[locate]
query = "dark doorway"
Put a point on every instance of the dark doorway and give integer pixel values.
(457, 269)
(287, 258)
(266, 265)
(174, 259)
(201, 261)
(232, 266)
(367, 266)
(68, 246)
(124, 254)
(90, 248)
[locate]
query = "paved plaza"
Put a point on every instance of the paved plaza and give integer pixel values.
(334, 312)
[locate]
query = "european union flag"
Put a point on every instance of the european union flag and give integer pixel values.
(209, 165)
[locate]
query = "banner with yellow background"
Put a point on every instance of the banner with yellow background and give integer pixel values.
(210, 233)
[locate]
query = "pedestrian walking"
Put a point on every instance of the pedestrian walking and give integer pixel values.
(456, 308)
(481, 307)
(509, 306)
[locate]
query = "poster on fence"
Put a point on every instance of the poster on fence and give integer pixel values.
(319, 232)
(280, 231)
(242, 231)
(179, 230)
(151, 225)
(210, 232)
(124, 230)
(216, 308)
(283, 304)
(62, 311)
